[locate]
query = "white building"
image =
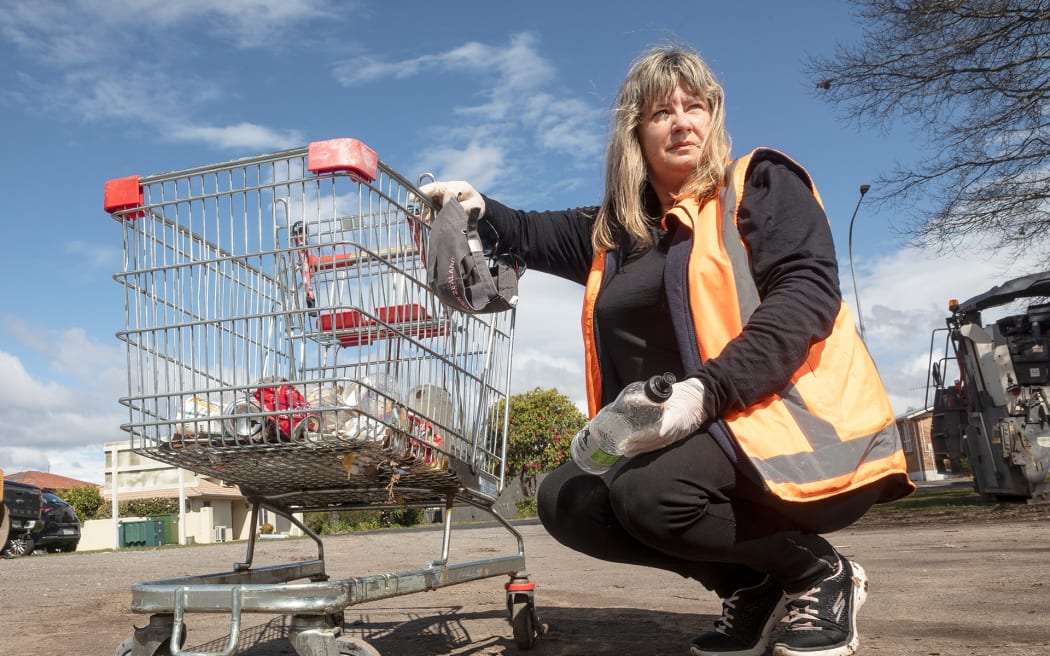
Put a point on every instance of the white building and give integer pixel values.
(209, 509)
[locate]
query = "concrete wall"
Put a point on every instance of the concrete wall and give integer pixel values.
(200, 522)
(506, 503)
(96, 534)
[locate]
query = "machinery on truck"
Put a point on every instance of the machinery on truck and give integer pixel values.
(994, 413)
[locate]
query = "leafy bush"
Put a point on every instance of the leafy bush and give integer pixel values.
(318, 522)
(139, 508)
(85, 500)
(348, 521)
(542, 423)
(526, 507)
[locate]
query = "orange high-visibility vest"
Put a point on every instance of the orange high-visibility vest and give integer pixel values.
(831, 428)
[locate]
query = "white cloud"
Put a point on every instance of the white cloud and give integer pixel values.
(105, 257)
(85, 463)
(548, 351)
(52, 417)
(506, 101)
(516, 69)
(482, 165)
(65, 33)
(249, 23)
(904, 296)
(165, 104)
(64, 420)
(44, 30)
(85, 72)
(365, 68)
(21, 392)
(240, 136)
(568, 126)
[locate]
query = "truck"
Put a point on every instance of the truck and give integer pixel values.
(19, 513)
(990, 385)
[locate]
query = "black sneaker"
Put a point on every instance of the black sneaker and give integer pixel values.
(823, 620)
(748, 618)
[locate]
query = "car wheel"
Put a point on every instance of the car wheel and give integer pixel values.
(69, 546)
(20, 545)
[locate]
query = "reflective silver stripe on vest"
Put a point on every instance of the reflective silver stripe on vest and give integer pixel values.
(835, 460)
(746, 289)
(837, 457)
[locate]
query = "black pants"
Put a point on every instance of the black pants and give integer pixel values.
(687, 509)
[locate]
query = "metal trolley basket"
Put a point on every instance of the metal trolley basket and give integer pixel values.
(281, 336)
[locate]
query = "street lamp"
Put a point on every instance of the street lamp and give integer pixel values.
(863, 190)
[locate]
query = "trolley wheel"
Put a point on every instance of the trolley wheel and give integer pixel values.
(351, 646)
(522, 608)
(523, 622)
(127, 648)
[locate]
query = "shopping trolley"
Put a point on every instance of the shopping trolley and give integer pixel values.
(281, 336)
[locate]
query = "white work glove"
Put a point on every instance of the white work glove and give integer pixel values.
(683, 414)
(439, 192)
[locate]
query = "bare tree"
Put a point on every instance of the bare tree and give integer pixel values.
(973, 78)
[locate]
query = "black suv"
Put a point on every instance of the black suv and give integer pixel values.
(58, 528)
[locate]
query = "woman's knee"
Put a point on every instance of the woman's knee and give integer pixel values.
(657, 511)
(568, 499)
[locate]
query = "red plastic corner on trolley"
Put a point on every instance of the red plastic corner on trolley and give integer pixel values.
(348, 155)
(123, 194)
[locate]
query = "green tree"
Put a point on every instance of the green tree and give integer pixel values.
(85, 500)
(541, 426)
(972, 77)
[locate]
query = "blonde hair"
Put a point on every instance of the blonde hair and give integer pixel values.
(653, 77)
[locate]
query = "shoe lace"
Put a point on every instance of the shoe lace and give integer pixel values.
(803, 611)
(801, 615)
(724, 624)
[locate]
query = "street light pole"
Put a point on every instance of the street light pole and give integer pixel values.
(863, 190)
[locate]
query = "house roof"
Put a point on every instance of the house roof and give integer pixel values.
(914, 415)
(207, 489)
(47, 481)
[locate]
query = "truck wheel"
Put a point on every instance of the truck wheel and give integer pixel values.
(20, 545)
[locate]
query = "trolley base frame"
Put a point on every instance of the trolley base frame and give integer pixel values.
(315, 603)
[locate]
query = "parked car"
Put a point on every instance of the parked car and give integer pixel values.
(59, 527)
(19, 515)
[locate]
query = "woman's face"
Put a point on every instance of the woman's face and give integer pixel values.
(672, 133)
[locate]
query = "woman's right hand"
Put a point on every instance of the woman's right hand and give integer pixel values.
(440, 191)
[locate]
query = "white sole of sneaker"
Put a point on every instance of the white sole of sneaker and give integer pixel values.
(860, 595)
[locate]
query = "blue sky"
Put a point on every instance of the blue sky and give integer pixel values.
(511, 96)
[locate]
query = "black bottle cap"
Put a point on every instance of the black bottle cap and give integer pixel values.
(658, 388)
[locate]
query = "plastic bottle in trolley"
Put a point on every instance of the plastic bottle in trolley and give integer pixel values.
(595, 448)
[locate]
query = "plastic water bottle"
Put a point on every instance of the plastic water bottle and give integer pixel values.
(595, 448)
(376, 400)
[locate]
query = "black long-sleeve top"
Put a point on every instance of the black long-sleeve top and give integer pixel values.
(792, 260)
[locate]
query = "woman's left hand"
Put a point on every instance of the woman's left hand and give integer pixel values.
(440, 191)
(683, 415)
